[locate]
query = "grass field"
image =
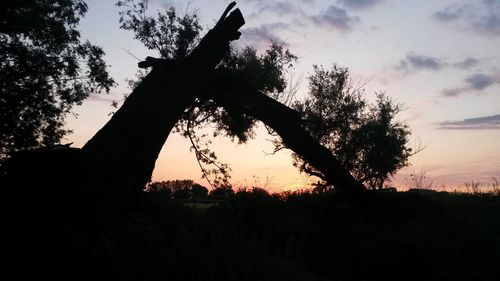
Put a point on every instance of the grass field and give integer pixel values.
(302, 236)
(253, 235)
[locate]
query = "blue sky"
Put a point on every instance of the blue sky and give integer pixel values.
(440, 58)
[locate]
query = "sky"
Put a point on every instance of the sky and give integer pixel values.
(441, 59)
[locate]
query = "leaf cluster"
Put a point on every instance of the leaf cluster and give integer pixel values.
(366, 138)
(178, 189)
(45, 69)
(173, 37)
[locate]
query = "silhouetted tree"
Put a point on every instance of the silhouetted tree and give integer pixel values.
(198, 191)
(41, 71)
(178, 189)
(366, 138)
(173, 37)
(221, 192)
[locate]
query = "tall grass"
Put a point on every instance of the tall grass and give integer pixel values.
(472, 187)
(475, 187)
(495, 186)
(421, 180)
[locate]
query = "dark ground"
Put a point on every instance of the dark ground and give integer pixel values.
(256, 236)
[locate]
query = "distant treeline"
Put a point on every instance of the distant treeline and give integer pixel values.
(187, 189)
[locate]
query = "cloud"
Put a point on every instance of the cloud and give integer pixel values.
(486, 122)
(466, 64)
(480, 81)
(446, 16)
(417, 62)
(414, 62)
(473, 83)
(255, 1)
(168, 3)
(332, 17)
(335, 17)
(262, 35)
(280, 8)
(455, 92)
(482, 17)
(359, 4)
(106, 99)
(267, 1)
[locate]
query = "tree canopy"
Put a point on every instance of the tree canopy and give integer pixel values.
(367, 138)
(172, 37)
(178, 189)
(45, 69)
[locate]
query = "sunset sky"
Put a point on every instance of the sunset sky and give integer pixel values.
(440, 58)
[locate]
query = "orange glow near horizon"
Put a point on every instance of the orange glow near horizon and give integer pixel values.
(252, 165)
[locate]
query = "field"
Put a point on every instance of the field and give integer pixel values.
(302, 236)
(254, 235)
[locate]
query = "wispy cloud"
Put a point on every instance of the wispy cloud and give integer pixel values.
(254, 1)
(359, 4)
(332, 17)
(269, 1)
(480, 81)
(336, 18)
(467, 63)
(415, 62)
(474, 83)
(165, 3)
(280, 8)
(481, 17)
(486, 122)
(262, 35)
(105, 99)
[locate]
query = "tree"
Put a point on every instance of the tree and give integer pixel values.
(366, 138)
(179, 189)
(173, 37)
(221, 192)
(41, 74)
(46, 221)
(243, 86)
(107, 175)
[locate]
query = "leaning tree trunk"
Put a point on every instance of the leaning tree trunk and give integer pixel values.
(123, 153)
(233, 94)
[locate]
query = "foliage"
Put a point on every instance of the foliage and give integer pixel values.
(173, 37)
(41, 72)
(178, 189)
(365, 137)
(221, 192)
(253, 235)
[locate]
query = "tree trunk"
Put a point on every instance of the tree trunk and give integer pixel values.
(123, 153)
(229, 93)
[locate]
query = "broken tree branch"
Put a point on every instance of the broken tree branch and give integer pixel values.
(122, 154)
